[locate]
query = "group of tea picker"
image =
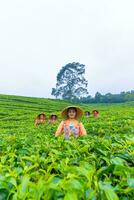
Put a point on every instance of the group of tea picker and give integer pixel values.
(41, 119)
(71, 124)
(94, 112)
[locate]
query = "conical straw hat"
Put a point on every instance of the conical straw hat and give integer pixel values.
(65, 110)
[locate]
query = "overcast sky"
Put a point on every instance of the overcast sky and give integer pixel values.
(38, 37)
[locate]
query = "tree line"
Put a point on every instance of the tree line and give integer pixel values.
(72, 85)
(108, 98)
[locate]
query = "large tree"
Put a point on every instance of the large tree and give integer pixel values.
(71, 83)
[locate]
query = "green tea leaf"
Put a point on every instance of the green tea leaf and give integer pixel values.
(23, 187)
(71, 196)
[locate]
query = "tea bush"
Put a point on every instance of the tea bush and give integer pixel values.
(34, 165)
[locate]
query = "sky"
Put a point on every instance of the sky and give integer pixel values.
(38, 37)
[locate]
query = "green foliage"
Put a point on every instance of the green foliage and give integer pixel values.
(34, 165)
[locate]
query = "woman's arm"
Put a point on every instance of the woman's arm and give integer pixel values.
(59, 129)
(36, 122)
(82, 130)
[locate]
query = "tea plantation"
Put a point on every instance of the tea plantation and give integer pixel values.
(34, 165)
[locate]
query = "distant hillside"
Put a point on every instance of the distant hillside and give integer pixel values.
(31, 103)
(41, 104)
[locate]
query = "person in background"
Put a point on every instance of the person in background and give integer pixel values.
(87, 113)
(40, 119)
(96, 113)
(53, 119)
(71, 126)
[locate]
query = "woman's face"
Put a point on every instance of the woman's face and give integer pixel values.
(87, 113)
(95, 112)
(53, 117)
(72, 113)
(42, 117)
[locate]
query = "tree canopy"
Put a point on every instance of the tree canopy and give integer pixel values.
(71, 83)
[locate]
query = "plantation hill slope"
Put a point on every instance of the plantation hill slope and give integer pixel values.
(36, 165)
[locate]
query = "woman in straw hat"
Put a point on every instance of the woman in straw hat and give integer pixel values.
(40, 119)
(87, 113)
(71, 125)
(52, 119)
(96, 113)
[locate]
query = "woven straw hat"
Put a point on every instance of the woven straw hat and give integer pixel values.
(65, 110)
